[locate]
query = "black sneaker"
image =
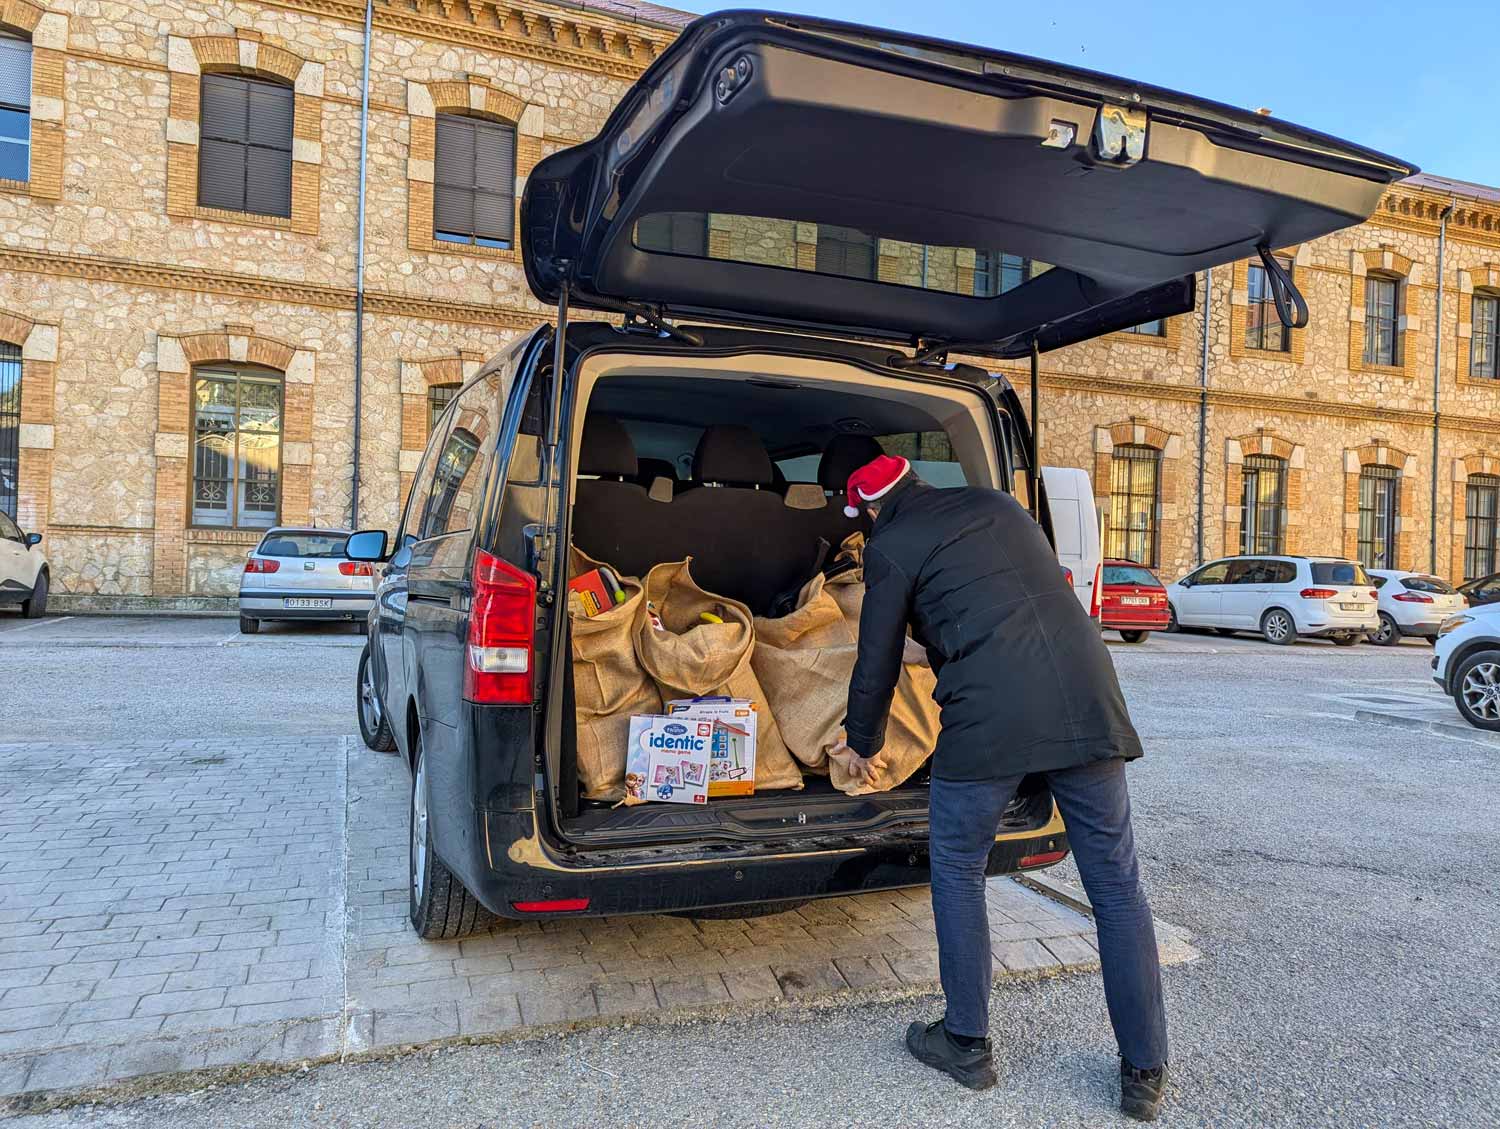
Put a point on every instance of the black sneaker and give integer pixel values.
(973, 1066)
(1141, 1091)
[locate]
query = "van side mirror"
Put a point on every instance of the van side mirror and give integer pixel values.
(33, 539)
(366, 545)
(1185, 582)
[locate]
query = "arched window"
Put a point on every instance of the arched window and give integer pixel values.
(1377, 516)
(1484, 355)
(15, 107)
(237, 414)
(1263, 505)
(1134, 492)
(10, 427)
(1480, 496)
(245, 149)
(474, 174)
(439, 396)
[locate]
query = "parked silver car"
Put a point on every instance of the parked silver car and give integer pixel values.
(303, 574)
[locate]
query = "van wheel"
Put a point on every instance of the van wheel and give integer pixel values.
(1476, 690)
(374, 726)
(36, 606)
(735, 913)
(1278, 627)
(1387, 634)
(442, 909)
(1133, 636)
(249, 626)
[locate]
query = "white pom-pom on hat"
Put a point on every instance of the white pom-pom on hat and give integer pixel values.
(850, 511)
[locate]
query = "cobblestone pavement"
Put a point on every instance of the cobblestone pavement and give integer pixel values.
(181, 905)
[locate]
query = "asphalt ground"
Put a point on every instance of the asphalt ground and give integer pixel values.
(1339, 878)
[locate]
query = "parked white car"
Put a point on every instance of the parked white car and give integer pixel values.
(24, 576)
(1282, 597)
(1412, 603)
(1466, 664)
(303, 574)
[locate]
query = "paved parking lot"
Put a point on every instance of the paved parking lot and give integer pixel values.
(1335, 874)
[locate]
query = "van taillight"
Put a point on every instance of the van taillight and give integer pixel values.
(256, 564)
(1098, 588)
(1318, 593)
(502, 630)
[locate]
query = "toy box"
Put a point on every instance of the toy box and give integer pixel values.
(668, 760)
(732, 764)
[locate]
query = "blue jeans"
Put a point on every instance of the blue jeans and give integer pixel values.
(965, 816)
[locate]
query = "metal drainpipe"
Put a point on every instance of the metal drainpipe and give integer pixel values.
(1208, 302)
(359, 268)
(1437, 363)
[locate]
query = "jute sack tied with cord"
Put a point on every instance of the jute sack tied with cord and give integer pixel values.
(691, 658)
(609, 685)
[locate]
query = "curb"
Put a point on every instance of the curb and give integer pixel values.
(1442, 728)
(81, 603)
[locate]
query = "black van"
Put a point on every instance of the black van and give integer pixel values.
(843, 209)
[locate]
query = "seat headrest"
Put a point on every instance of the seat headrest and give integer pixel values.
(607, 447)
(731, 452)
(844, 455)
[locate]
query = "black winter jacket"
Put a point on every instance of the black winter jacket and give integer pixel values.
(1023, 677)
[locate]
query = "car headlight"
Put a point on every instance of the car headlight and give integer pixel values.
(1453, 622)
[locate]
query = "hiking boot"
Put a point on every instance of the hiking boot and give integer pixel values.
(1141, 1091)
(973, 1066)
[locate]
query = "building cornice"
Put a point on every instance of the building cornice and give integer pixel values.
(1419, 210)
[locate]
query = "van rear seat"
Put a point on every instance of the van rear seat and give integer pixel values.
(745, 540)
(615, 520)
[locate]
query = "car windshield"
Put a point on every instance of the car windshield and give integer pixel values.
(1128, 574)
(300, 543)
(1338, 572)
(1433, 584)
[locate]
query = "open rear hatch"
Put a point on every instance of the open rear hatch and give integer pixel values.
(915, 145)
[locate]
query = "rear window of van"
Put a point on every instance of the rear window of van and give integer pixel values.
(1338, 572)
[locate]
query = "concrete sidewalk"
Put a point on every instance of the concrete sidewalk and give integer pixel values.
(223, 907)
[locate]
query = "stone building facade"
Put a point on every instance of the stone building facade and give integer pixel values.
(133, 311)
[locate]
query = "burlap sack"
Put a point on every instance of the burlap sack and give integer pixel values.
(804, 662)
(691, 658)
(911, 733)
(609, 685)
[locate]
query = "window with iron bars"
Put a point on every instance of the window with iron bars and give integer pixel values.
(10, 428)
(236, 448)
(1480, 497)
(1484, 357)
(1134, 492)
(1263, 329)
(1378, 487)
(439, 396)
(1263, 505)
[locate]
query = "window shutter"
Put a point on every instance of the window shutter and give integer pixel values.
(223, 108)
(268, 182)
(270, 115)
(495, 180)
(221, 174)
(15, 72)
(453, 172)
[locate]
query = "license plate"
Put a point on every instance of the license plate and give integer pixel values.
(1352, 607)
(306, 602)
(1135, 601)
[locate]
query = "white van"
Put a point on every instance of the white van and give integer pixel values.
(1075, 529)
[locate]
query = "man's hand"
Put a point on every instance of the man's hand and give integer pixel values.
(861, 768)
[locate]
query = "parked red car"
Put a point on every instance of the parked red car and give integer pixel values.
(1134, 600)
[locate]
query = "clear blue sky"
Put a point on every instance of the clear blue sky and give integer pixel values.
(1418, 80)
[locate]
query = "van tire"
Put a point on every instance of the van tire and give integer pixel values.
(1134, 636)
(441, 907)
(249, 626)
(371, 710)
(1277, 626)
(735, 913)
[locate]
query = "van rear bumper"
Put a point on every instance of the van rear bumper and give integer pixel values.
(521, 868)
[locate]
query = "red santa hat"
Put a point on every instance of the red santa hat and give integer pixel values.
(874, 480)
